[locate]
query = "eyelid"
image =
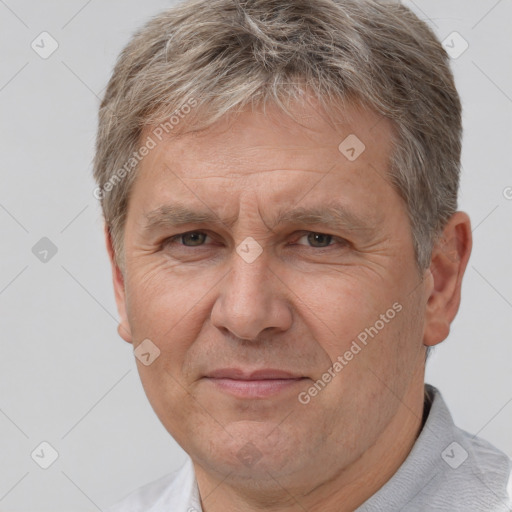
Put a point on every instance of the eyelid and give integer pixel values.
(334, 238)
(178, 236)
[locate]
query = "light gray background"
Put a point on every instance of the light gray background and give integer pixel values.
(65, 375)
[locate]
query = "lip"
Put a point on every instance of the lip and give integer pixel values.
(253, 384)
(262, 374)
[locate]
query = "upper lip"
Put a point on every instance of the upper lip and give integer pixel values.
(263, 374)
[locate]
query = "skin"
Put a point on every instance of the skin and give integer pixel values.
(297, 307)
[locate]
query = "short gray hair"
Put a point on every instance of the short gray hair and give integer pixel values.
(224, 55)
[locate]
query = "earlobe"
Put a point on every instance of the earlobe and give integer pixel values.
(119, 290)
(436, 332)
(450, 256)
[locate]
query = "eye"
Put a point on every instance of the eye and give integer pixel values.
(318, 240)
(311, 238)
(190, 239)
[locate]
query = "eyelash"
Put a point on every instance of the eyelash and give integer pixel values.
(179, 236)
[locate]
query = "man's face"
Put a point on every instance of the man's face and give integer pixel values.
(296, 249)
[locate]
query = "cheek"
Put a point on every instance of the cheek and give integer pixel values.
(373, 323)
(373, 361)
(159, 297)
(339, 306)
(391, 348)
(167, 309)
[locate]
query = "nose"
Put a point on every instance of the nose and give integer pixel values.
(251, 299)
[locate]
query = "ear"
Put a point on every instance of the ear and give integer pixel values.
(118, 279)
(450, 256)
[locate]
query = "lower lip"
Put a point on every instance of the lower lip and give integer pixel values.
(255, 388)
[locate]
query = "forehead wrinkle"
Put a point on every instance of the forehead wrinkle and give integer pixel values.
(245, 174)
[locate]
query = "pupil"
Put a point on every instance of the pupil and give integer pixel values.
(194, 238)
(319, 238)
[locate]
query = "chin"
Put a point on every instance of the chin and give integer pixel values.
(252, 449)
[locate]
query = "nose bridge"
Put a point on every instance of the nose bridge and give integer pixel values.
(249, 272)
(250, 300)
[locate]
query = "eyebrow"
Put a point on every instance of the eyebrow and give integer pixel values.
(178, 214)
(334, 215)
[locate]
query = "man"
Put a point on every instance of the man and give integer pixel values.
(279, 183)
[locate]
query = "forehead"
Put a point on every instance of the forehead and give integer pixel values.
(271, 155)
(271, 136)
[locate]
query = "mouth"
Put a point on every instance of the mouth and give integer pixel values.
(255, 384)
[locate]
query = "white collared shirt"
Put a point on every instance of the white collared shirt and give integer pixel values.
(447, 470)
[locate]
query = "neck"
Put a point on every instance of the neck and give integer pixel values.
(349, 489)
